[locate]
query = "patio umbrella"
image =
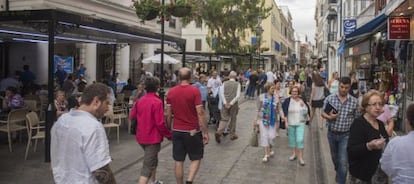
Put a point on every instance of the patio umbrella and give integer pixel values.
(157, 59)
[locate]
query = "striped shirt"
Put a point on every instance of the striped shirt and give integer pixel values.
(347, 112)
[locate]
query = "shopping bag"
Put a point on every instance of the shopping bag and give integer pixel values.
(133, 126)
(254, 139)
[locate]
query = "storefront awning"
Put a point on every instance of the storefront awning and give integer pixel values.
(368, 28)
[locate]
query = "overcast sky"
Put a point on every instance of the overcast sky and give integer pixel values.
(303, 12)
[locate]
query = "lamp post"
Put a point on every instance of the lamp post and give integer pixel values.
(161, 90)
(259, 32)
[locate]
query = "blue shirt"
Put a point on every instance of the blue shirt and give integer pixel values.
(203, 90)
(347, 112)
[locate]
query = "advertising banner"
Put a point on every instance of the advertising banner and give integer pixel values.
(65, 62)
(349, 26)
(398, 28)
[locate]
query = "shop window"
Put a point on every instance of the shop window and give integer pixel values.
(197, 44)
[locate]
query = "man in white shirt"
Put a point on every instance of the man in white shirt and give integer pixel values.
(213, 84)
(79, 146)
(9, 82)
(230, 94)
(270, 76)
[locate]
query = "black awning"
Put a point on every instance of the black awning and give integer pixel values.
(32, 25)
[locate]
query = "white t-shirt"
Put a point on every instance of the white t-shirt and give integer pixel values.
(214, 84)
(270, 77)
(79, 146)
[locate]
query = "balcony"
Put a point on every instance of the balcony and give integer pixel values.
(332, 37)
(332, 1)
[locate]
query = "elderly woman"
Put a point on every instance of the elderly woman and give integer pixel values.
(397, 161)
(367, 138)
(296, 113)
(13, 99)
(268, 105)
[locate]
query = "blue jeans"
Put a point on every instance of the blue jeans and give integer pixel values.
(338, 144)
(251, 89)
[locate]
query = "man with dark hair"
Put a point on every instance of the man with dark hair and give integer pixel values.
(189, 131)
(340, 110)
(151, 129)
(79, 146)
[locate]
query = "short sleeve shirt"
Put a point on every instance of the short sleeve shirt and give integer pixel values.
(79, 146)
(214, 84)
(183, 100)
(347, 112)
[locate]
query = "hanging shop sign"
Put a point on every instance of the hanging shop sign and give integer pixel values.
(398, 28)
(65, 62)
(349, 26)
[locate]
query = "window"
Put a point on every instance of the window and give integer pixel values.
(199, 24)
(197, 44)
(355, 8)
(363, 5)
(172, 23)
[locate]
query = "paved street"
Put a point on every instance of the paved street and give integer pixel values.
(225, 163)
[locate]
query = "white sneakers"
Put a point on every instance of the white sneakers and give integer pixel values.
(265, 158)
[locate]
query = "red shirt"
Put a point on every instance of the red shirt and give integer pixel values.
(149, 112)
(183, 100)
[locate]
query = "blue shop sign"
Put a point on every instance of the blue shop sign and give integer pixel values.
(349, 26)
(65, 62)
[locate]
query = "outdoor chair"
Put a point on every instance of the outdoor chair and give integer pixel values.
(113, 119)
(35, 131)
(15, 122)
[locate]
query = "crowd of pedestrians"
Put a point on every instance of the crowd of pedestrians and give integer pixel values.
(358, 131)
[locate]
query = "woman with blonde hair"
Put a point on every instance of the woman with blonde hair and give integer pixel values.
(367, 139)
(60, 103)
(333, 83)
(268, 106)
(296, 113)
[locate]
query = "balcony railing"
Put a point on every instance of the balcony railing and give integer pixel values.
(331, 36)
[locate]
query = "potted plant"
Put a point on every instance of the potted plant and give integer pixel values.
(180, 8)
(147, 9)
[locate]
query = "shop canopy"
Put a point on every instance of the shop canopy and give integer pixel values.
(32, 26)
(368, 28)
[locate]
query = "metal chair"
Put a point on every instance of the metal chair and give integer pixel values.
(34, 131)
(15, 122)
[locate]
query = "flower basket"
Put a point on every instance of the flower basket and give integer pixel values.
(180, 10)
(147, 9)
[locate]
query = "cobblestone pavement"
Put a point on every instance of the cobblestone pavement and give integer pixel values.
(226, 163)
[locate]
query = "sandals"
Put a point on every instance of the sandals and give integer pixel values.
(265, 158)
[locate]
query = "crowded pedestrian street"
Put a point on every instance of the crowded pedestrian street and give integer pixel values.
(225, 163)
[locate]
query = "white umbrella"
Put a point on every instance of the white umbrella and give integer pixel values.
(157, 59)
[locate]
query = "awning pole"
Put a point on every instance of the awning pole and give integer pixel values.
(50, 113)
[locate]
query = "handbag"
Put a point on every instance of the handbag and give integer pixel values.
(254, 138)
(282, 124)
(379, 176)
(133, 126)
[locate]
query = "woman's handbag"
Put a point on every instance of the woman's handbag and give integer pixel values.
(254, 139)
(379, 176)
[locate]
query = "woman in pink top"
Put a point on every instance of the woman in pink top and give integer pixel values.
(151, 129)
(386, 117)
